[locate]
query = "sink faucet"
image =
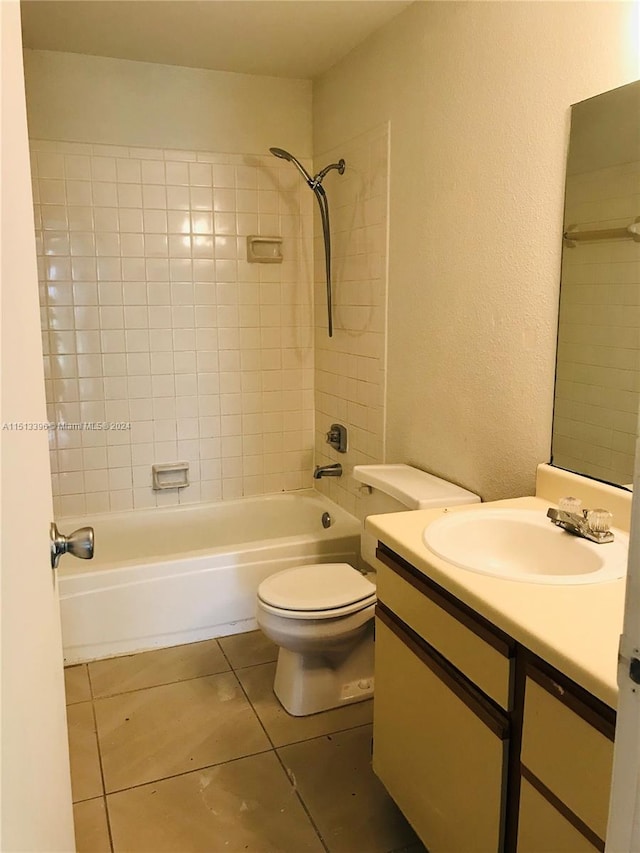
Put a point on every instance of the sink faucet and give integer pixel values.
(327, 471)
(591, 524)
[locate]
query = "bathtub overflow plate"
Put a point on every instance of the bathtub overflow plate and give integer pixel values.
(326, 520)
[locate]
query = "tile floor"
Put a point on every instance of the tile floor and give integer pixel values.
(187, 749)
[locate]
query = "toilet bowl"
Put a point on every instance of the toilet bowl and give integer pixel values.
(321, 615)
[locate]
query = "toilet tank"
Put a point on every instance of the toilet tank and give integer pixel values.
(398, 488)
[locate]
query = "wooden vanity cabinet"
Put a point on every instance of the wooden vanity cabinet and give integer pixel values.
(441, 743)
(484, 746)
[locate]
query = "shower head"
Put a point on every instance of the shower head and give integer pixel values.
(280, 152)
(284, 155)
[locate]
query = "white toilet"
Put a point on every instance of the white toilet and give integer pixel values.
(321, 615)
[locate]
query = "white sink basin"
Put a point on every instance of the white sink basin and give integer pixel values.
(524, 545)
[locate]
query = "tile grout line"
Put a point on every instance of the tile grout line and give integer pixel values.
(162, 684)
(279, 760)
(295, 743)
(302, 802)
(324, 734)
(187, 772)
(246, 695)
(104, 787)
(276, 748)
(177, 680)
(273, 749)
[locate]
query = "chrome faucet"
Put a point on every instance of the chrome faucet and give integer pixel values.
(591, 524)
(327, 471)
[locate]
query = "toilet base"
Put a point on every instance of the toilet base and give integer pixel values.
(310, 683)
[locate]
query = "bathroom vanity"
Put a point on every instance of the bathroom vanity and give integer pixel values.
(495, 700)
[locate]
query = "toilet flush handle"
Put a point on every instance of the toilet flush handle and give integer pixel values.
(79, 544)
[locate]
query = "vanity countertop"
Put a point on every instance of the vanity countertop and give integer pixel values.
(575, 628)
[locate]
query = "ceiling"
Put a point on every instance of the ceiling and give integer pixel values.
(279, 38)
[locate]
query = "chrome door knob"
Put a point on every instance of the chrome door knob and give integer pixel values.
(79, 544)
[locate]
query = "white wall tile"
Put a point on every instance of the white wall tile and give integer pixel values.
(80, 217)
(350, 367)
(143, 286)
(155, 222)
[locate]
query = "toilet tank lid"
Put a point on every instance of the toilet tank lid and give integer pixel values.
(414, 488)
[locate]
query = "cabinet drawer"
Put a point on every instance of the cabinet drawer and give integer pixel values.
(566, 752)
(441, 763)
(542, 828)
(480, 652)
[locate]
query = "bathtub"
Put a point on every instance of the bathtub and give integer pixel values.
(164, 577)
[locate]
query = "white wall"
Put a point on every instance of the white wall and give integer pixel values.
(82, 98)
(478, 98)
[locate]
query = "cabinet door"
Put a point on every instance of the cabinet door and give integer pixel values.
(543, 829)
(566, 752)
(441, 761)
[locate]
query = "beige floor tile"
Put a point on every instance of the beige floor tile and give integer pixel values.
(163, 731)
(248, 649)
(161, 666)
(76, 684)
(347, 802)
(92, 832)
(281, 727)
(246, 805)
(86, 780)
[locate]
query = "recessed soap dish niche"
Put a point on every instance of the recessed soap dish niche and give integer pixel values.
(170, 475)
(264, 250)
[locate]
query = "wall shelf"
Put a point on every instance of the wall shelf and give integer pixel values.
(264, 250)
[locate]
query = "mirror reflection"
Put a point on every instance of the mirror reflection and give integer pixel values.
(597, 394)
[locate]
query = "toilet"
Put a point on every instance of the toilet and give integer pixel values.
(321, 615)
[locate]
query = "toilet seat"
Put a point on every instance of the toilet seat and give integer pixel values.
(319, 591)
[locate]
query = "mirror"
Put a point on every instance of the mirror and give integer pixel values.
(597, 392)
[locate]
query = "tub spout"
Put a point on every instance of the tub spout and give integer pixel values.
(327, 471)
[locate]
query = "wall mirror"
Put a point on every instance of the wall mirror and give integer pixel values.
(597, 391)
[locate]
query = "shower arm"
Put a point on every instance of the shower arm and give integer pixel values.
(323, 204)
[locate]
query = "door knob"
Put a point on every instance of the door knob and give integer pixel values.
(79, 543)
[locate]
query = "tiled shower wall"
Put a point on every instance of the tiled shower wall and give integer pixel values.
(350, 367)
(598, 372)
(153, 318)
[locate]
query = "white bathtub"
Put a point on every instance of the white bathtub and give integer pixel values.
(163, 577)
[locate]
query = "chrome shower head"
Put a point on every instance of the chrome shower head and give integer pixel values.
(280, 152)
(284, 155)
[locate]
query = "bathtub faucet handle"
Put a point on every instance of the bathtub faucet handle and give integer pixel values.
(337, 437)
(79, 544)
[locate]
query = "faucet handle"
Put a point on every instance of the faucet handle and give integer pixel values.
(337, 437)
(569, 504)
(599, 520)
